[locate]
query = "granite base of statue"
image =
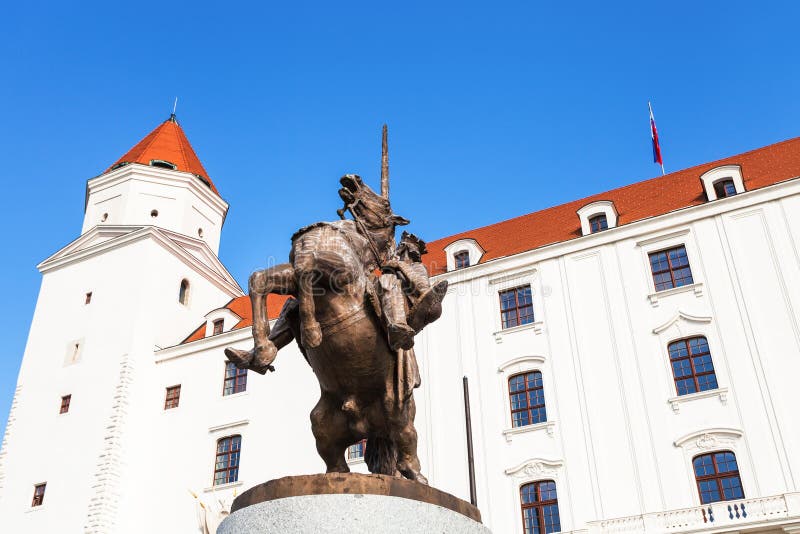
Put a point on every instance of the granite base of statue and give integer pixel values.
(344, 503)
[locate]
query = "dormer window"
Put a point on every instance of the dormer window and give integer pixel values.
(461, 259)
(219, 325)
(725, 188)
(723, 182)
(598, 223)
(164, 164)
(597, 216)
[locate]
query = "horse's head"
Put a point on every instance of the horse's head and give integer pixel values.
(367, 206)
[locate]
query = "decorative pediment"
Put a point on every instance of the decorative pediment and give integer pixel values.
(679, 317)
(93, 238)
(536, 468)
(522, 363)
(712, 438)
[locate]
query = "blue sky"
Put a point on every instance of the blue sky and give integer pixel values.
(494, 109)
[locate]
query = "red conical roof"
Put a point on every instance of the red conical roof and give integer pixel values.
(167, 143)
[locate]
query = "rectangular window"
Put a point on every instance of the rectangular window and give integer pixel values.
(173, 397)
(526, 392)
(218, 325)
(516, 306)
(226, 466)
(461, 259)
(356, 450)
(717, 476)
(38, 494)
(670, 268)
(88, 297)
(65, 403)
(235, 379)
(692, 367)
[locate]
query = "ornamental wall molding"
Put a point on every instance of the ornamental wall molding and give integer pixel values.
(536, 468)
(678, 317)
(708, 439)
(521, 363)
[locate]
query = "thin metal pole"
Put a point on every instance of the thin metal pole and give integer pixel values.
(473, 496)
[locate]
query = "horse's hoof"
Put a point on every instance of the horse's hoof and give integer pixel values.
(311, 336)
(401, 336)
(240, 358)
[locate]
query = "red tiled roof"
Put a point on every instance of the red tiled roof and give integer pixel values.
(241, 307)
(642, 200)
(167, 142)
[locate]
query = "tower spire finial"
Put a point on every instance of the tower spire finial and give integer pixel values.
(385, 163)
(174, 108)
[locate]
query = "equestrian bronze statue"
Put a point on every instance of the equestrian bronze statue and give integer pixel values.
(359, 300)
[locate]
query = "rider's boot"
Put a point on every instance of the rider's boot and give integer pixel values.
(428, 307)
(400, 334)
(258, 359)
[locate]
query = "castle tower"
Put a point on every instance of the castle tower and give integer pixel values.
(142, 273)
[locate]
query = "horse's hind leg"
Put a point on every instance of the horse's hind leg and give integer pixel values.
(406, 440)
(330, 428)
(279, 279)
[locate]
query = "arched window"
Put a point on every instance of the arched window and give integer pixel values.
(461, 259)
(717, 476)
(540, 507)
(183, 293)
(226, 464)
(725, 188)
(527, 399)
(598, 223)
(692, 368)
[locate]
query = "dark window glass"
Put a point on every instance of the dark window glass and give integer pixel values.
(516, 306)
(670, 268)
(598, 223)
(540, 507)
(65, 400)
(526, 394)
(717, 476)
(235, 379)
(183, 293)
(356, 450)
(38, 494)
(173, 397)
(88, 298)
(692, 368)
(226, 465)
(218, 325)
(461, 259)
(725, 188)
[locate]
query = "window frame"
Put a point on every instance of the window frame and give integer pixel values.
(670, 269)
(359, 445)
(458, 258)
(238, 373)
(598, 217)
(529, 409)
(227, 454)
(169, 399)
(217, 326)
(516, 308)
(717, 476)
(65, 402)
(690, 357)
(721, 186)
(38, 497)
(539, 505)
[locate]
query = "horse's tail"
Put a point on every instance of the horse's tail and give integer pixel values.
(381, 456)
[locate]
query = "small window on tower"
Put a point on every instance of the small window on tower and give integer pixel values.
(154, 213)
(219, 324)
(104, 218)
(38, 494)
(88, 298)
(164, 164)
(183, 293)
(65, 400)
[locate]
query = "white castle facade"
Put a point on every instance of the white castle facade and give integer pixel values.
(632, 360)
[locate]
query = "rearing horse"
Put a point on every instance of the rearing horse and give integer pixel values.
(366, 387)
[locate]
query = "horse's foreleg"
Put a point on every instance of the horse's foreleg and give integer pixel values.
(280, 280)
(310, 330)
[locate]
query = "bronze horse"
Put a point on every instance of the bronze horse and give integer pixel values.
(366, 387)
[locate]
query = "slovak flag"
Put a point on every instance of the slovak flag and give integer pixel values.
(654, 136)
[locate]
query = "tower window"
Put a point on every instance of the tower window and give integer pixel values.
(38, 494)
(219, 324)
(104, 218)
(235, 379)
(598, 223)
(516, 306)
(65, 400)
(461, 259)
(183, 292)
(692, 367)
(356, 450)
(164, 164)
(154, 213)
(717, 476)
(670, 268)
(226, 465)
(725, 188)
(540, 507)
(173, 397)
(526, 393)
(88, 298)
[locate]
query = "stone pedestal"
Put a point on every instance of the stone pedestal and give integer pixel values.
(349, 503)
